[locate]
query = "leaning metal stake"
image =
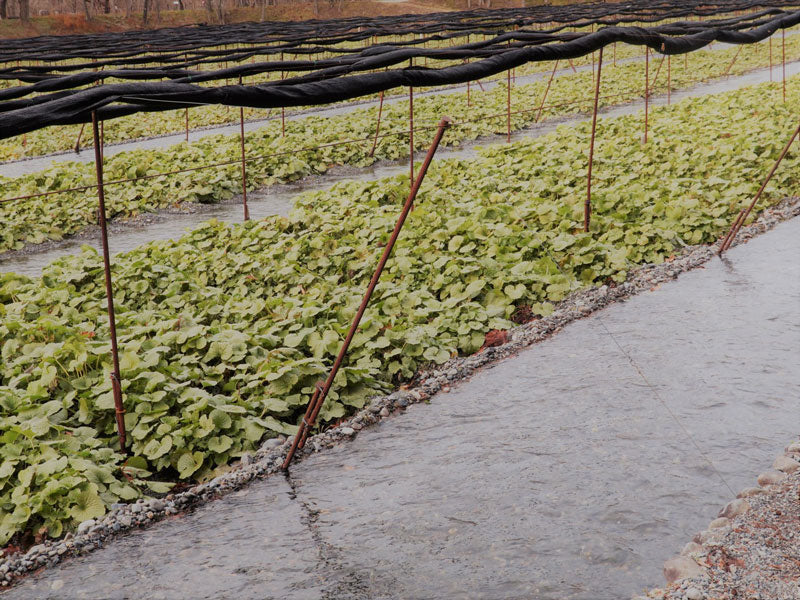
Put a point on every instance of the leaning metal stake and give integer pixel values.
(112, 324)
(587, 206)
(321, 389)
(737, 225)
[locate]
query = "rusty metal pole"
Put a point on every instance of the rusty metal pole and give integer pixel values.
(546, 89)
(112, 322)
(646, 89)
(377, 127)
(587, 207)
(783, 52)
(283, 109)
(735, 56)
(669, 79)
(508, 106)
(320, 393)
(78, 141)
(770, 59)
(411, 133)
(740, 221)
(244, 161)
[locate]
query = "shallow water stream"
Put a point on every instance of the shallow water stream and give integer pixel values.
(569, 471)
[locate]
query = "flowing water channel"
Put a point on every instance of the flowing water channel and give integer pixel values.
(278, 199)
(570, 471)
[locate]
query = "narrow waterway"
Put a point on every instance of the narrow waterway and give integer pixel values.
(570, 471)
(278, 199)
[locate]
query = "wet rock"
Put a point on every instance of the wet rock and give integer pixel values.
(86, 526)
(681, 567)
(793, 447)
(785, 464)
(735, 508)
(694, 594)
(720, 522)
(691, 548)
(136, 508)
(771, 477)
(749, 492)
(270, 444)
(157, 504)
(384, 412)
(347, 431)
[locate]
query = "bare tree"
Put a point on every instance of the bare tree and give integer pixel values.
(86, 10)
(145, 11)
(24, 10)
(3, 9)
(216, 9)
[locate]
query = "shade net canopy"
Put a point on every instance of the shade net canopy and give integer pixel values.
(63, 80)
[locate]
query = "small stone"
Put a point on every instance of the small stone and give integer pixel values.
(793, 447)
(720, 522)
(347, 431)
(86, 525)
(691, 548)
(124, 520)
(150, 514)
(681, 567)
(735, 508)
(38, 549)
(357, 426)
(771, 477)
(157, 504)
(271, 443)
(446, 389)
(694, 594)
(246, 459)
(136, 508)
(384, 412)
(751, 491)
(785, 464)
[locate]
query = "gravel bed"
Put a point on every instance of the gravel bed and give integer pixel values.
(751, 551)
(269, 458)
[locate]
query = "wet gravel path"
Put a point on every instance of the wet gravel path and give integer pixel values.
(570, 470)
